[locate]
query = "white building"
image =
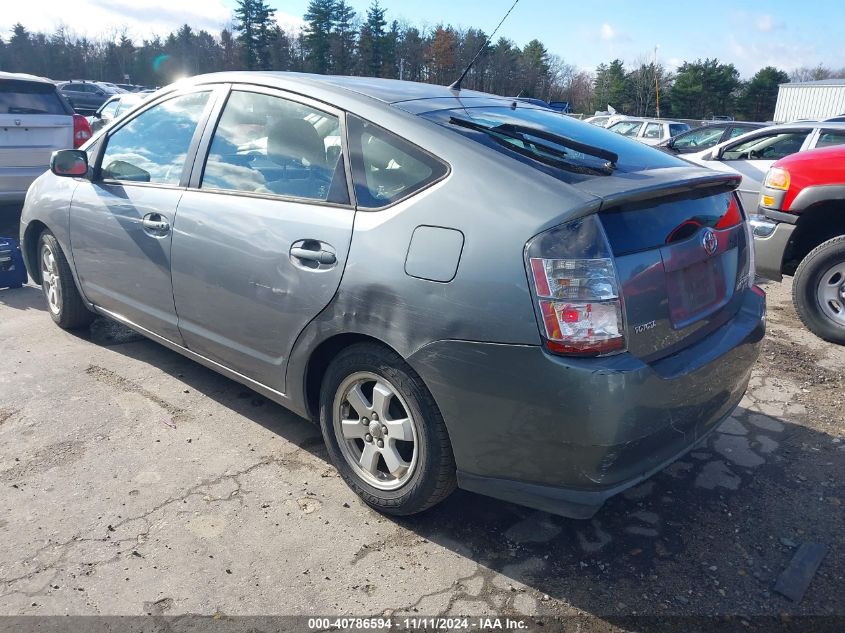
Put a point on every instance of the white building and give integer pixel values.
(810, 100)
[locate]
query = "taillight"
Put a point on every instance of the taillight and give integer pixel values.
(732, 216)
(81, 130)
(577, 294)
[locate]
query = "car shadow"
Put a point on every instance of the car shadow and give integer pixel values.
(708, 535)
(28, 297)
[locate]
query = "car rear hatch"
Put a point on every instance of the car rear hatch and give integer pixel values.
(681, 253)
(34, 122)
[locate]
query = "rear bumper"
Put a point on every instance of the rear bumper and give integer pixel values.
(564, 434)
(14, 181)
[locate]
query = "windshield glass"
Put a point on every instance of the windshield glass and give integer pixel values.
(29, 97)
(626, 128)
(632, 156)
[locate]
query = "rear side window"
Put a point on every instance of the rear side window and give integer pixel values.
(653, 130)
(829, 138)
(387, 168)
(268, 144)
(29, 97)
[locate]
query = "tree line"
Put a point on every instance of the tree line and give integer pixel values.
(336, 40)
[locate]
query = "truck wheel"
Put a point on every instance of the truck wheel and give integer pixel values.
(384, 432)
(818, 290)
(63, 301)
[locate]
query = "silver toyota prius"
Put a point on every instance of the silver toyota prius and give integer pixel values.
(461, 289)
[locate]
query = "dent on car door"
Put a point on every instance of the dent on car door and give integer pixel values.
(752, 158)
(121, 220)
(261, 237)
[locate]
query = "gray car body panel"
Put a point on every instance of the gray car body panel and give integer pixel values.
(481, 318)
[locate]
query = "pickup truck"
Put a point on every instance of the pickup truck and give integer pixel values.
(799, 230)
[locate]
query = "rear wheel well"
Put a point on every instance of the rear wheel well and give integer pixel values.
(30, 248)
(816, 225)
(319, 362)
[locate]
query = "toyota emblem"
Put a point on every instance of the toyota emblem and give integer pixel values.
(709, 241)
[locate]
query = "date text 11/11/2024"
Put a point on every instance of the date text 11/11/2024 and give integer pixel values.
(418, 623)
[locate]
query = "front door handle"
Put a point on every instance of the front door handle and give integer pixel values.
(313, 253)
(320, 256)
(155, 223)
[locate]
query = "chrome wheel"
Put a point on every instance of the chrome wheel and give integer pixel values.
(831, 293)
(50, 279)
(375, 430)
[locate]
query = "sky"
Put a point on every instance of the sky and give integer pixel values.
(750, 35)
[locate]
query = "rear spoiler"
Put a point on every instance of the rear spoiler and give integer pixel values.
(658, 183)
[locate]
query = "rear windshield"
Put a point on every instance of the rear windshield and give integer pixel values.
(632, 156)
(29, 97)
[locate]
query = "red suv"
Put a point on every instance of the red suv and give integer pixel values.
(800, 231)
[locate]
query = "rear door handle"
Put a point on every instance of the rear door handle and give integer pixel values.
(155, 223)
(320, 256)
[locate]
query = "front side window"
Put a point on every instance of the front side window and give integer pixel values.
(153, 147)
(653, 130)
(387, 168)
(267, 144)
(626, 128)
(109, 110)
(829, 138)
(769, 147)
(702, 137)
(738, 131)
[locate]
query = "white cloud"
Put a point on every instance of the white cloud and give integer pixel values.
(766, 23)
(749, 57)
(607, 32)
(139, 18)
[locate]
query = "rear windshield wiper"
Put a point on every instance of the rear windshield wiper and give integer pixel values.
(558, 158)
(17, 110)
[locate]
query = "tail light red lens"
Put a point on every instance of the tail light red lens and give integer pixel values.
(81, 130)
(574, 281)
(732, 216)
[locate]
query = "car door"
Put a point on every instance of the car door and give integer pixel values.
(652, 133)
(121, 220)
(261, 237)
(752, 157)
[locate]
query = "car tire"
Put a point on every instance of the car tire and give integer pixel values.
(388, 394)
(64, 303)
(818, 290)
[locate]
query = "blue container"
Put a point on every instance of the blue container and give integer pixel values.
(12, 268)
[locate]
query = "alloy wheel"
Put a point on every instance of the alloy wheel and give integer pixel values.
(50, 279)
(375, 430)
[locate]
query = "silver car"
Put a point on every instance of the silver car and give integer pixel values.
(461, 289)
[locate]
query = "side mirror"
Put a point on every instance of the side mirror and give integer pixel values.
(70, 163)
(670, 143)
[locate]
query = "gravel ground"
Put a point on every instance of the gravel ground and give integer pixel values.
(134, 481)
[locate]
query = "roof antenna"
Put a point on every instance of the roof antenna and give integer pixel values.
(457, 85)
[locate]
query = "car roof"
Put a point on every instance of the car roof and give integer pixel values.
(4, 76)
(388, 91)
(649, 120)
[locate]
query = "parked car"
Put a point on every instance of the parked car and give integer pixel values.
(800, 231)
(459, 290)
(605, 120)
(113, 108)
(706, 136)
(648, 131)
(752, 154)
(86, 96)
(35, 120)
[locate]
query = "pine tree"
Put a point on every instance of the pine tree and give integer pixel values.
(319, 24)
(255, 20)
(343, 39)
(372, 41)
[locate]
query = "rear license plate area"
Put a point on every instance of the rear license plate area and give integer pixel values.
(694, 291)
